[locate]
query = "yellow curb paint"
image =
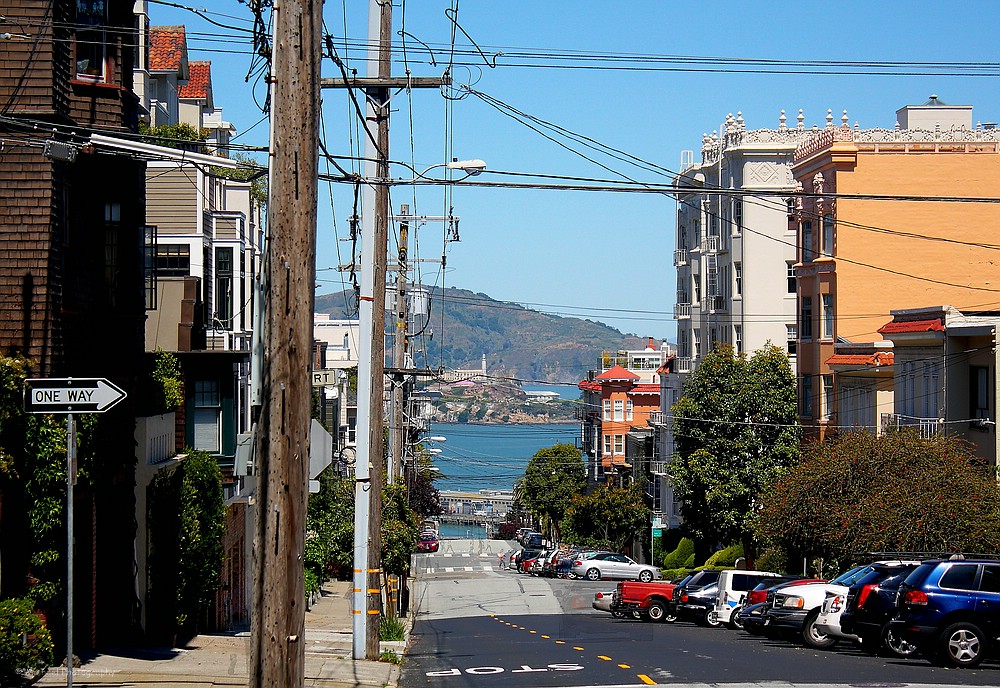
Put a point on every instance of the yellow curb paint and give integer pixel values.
(646, 679)
(624, 666)
(604, 657)
(356, 611)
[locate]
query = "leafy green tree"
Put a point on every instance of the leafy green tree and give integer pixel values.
(609, 517)
(735, 426)
(187, 521)
(330, 527)
(676, 559)
(554, 475)
(894, 492)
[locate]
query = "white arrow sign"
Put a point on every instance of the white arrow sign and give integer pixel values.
(70, 395)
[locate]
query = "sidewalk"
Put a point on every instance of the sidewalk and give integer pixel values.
(222, 659)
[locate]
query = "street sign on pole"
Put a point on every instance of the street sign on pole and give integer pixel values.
(70, 395)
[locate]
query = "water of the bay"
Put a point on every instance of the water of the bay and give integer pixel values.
(491, 457)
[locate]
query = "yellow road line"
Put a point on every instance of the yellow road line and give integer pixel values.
(560, 642)
(578, 648)
(646, 679)
(604, 657)
(546, 637)
(624, 666)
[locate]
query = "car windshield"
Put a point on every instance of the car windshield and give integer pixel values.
(849, 577)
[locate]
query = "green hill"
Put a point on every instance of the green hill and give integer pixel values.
(518, 342)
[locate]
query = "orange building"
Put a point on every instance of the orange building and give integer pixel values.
(881, 227)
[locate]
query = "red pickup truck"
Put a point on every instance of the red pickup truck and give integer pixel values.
(650, 600)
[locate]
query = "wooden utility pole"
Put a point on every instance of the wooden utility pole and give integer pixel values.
(397, 426)
(277, 654)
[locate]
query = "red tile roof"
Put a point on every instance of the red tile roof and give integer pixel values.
(667, 367)
(881, 358)
(167, 48)
(617, 373)
(906, 326)
(589, 385)
(645, 389)
(199, 81)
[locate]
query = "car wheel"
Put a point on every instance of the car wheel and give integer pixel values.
(735, 623)
(670, 617)
(656, 611)
(962, 645)
(896, 644)
(593, 574)
(618, 614)
(712, 619)
(646, 576)
(813, 637)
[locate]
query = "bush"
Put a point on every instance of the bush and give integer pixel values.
(680, 555)
(772, 560)
(25, 643)
(725, 557)
(689, 562)
(391, 629)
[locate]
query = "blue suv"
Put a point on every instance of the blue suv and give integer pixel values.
(950, 609)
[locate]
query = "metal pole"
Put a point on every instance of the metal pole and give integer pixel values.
(70, 479)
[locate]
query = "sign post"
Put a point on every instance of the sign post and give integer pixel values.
(70, 395)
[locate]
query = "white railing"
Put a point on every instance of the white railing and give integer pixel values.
(684, 364)
(682, 311)
(658, 467)
(657, 418)
(712, 244)
(680, 257)
(928, 427)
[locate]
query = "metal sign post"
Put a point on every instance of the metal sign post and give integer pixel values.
(70, 395)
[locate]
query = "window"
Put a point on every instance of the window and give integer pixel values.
(990, 581)
(960, 577)
(149, 264)
(607, 445)
(223, 288)
(806, 399)
(628, 409)
(931, 372)
(619, 444)
(979, 388)
(738, 277)
(790, 275)
(828, 235)
(684, 344)
(737, 216)
(712, 277)
(91, 40)
(207, 415)
(791, 339)
(696, 343)
(619, 410)
(173, 260)
(112, 226)
(805, 318)
(697, 289)
(738, 338)
(828, 396)
(827, 316)
(607, 409)
(807, 242)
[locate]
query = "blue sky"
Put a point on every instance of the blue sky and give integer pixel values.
(603, 256)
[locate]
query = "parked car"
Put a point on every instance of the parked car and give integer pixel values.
(527, 560)
(750, 617)
(950, 610)
(428, 542)
(504, 559)
(614, 565)
(699, 605)
(538, 565)
(602, 600)
(520, 533)
(564, 569)
(534, 540)
(692, 583)
(649, 600)
(796, 610)
(862, 614)
(734, 585)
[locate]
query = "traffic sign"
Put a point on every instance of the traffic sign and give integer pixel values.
(70, 395)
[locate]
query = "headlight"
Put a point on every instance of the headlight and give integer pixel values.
(793, 603)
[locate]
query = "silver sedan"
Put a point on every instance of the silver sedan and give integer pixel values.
(614, 565)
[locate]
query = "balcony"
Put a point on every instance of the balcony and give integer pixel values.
(714, 244)
(682, 311)
(928, 427)
(658, 468)
(657, 418)
(716, 303)
(680, 257)
(684, 364)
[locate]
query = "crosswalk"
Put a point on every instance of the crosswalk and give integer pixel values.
(445, 562)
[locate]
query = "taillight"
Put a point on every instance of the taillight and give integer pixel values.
(578, 563)
(865, 592)
(915, 598)
(684, 598)
(756, 597)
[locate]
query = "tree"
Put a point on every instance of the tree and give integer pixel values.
(735, 426)
(553, 476)
(610, 517)
(894, 492)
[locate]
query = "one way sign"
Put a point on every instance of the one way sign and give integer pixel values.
(70, 395)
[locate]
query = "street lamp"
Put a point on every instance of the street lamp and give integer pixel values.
(437, 438)
(470, 167)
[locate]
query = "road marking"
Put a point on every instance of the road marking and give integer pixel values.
(560, 642)
(646, 679)
(546, 637)
(578, 648)
(532, 631)
(624, 666)
(604, 657)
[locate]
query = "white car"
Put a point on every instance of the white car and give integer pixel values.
(733, 588)
(602, 600)
(614, 565)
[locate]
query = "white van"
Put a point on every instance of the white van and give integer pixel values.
(734, 585)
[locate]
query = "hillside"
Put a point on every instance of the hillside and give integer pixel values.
(518, 342)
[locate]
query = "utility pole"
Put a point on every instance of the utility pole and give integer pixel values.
(397, 432)
(370, 467)
(277, 653)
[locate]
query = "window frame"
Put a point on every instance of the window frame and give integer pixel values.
(91, 41)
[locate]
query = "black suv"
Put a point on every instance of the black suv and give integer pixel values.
(693, 584)
(950, 609)
(869, 606)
